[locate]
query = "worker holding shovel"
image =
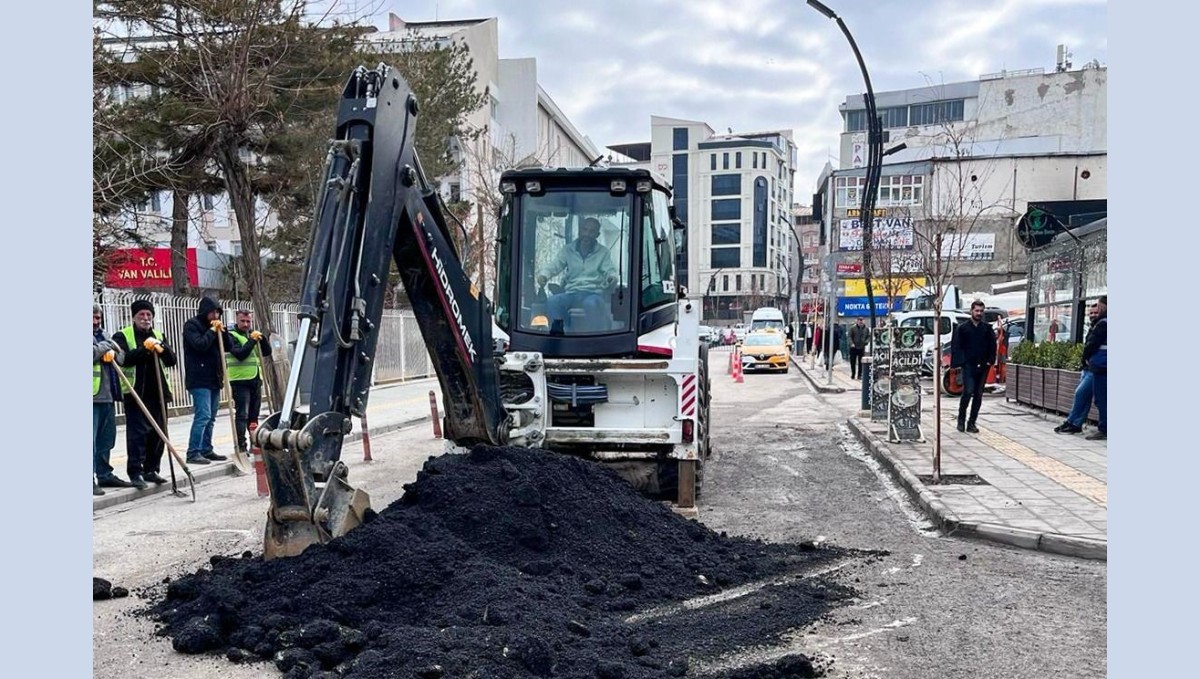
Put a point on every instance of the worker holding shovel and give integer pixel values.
(244, 366)
(147, 356)
(203, 372)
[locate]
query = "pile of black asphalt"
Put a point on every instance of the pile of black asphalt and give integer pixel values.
(511, 562)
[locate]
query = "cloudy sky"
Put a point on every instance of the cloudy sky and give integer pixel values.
(754, 65)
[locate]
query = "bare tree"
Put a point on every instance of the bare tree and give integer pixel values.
(951, 211)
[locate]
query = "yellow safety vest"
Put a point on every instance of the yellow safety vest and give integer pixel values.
(241, 370)
(129, 370)
(95, 379)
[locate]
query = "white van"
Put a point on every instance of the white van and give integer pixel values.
(766, 317)
(921, 299)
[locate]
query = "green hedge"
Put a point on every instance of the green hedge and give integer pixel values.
(1061, 355)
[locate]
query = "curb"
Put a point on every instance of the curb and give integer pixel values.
(948, 522)
(821, 388)
(118, 496)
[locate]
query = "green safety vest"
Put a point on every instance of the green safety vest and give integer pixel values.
(129, 370)
(241, 370)
(95, 379)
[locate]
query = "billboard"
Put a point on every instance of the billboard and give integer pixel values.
(971, 247)
(857, 306)
(857, 287)
(134, 268)
(891, 233)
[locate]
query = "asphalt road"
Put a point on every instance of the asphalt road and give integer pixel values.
(784, 468)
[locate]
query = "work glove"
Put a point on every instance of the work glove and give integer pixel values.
(109, 356)
(218, 326)
(153, 344)
(256, 335)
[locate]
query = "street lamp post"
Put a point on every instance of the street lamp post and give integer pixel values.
(712, 280)
(874, 155)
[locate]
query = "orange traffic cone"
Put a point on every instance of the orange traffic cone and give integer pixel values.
(260, 469)
(737, 366)
(729, 370)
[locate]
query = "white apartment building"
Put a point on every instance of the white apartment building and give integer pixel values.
(734, 193)
(1023, 137)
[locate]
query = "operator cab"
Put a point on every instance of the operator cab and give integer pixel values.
(586, 260)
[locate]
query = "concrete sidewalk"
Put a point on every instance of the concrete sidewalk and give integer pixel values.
(390, 407)
(1036, 489)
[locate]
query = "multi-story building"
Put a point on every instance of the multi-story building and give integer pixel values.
(734, 194)
(806, 251)
(971, 155)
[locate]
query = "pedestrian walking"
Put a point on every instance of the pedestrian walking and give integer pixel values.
(835, 345)
(973, 349)
(147, 356)
(243, 361)
(817, 332)
(202, 377)
(1093, 382)
(808, 338)
(106, 389)
(859, 336)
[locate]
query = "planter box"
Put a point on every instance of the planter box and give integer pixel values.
(1048, 388)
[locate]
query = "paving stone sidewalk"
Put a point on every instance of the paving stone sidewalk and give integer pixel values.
(1040, 490)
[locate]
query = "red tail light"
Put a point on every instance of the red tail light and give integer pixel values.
(688, 429)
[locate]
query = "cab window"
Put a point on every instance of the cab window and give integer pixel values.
(658, 252)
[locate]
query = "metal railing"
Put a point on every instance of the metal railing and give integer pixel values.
(400, 354)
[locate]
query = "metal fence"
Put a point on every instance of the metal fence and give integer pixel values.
(401, 353)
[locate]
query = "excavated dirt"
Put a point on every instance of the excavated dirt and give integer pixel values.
(509, 562)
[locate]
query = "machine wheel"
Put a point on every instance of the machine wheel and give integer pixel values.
(703, 421)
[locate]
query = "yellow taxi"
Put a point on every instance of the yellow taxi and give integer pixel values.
(765, 350)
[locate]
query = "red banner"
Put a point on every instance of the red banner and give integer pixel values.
(849, 268)
(147, 268)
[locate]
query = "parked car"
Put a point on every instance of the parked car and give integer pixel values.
(707, 335)
(740, 330)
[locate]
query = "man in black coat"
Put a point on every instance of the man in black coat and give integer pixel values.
(203, 363)
(141, 343)
(860, 334)
(972, 348)
(1093, 383)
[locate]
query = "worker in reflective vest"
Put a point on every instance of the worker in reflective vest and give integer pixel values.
(141, 342)
(244, 364)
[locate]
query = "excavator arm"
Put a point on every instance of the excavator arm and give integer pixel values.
(378, 207)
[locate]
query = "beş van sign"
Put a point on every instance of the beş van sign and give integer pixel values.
(134, 268)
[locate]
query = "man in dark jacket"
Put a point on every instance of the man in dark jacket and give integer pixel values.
(243, 361)
(202, 366)
(106, 389)
(859, 334)
(147, 356)
(972, 348)
(1093, 383)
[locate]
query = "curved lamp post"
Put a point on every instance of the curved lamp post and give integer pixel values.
(874, 155)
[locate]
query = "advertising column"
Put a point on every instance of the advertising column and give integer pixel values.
(904, 404)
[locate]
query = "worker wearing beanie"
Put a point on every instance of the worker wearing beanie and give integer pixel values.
(141, 343)
(202, 365)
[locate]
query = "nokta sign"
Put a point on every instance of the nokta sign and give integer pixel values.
(857, 306)
(133, 268)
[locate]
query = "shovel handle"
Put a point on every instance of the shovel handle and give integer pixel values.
(158, 430)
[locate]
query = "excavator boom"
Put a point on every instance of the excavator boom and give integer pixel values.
(378, 207)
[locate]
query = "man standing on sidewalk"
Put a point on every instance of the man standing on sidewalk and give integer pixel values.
(147, 357)
(202, 377)
(1093, 383)
(106, 389)
(245, 373)
(859, 334)
(972, 348)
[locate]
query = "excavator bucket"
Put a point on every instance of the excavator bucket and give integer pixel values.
(340, 509)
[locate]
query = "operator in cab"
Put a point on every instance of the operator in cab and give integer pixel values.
(589, 277)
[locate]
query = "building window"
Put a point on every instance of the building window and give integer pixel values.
(726, 234)
(726, 258)
(680, 139)
(724, 161)
(936, 112)
(760, 222)
(726, 184)
(847, 191)
(208, 202)
(737, 282)
(754, 159)
(726, 208)
(155, 204)
(712, 157)
(738, 160)
(725, 283)
(455, 192)
(679, 175)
